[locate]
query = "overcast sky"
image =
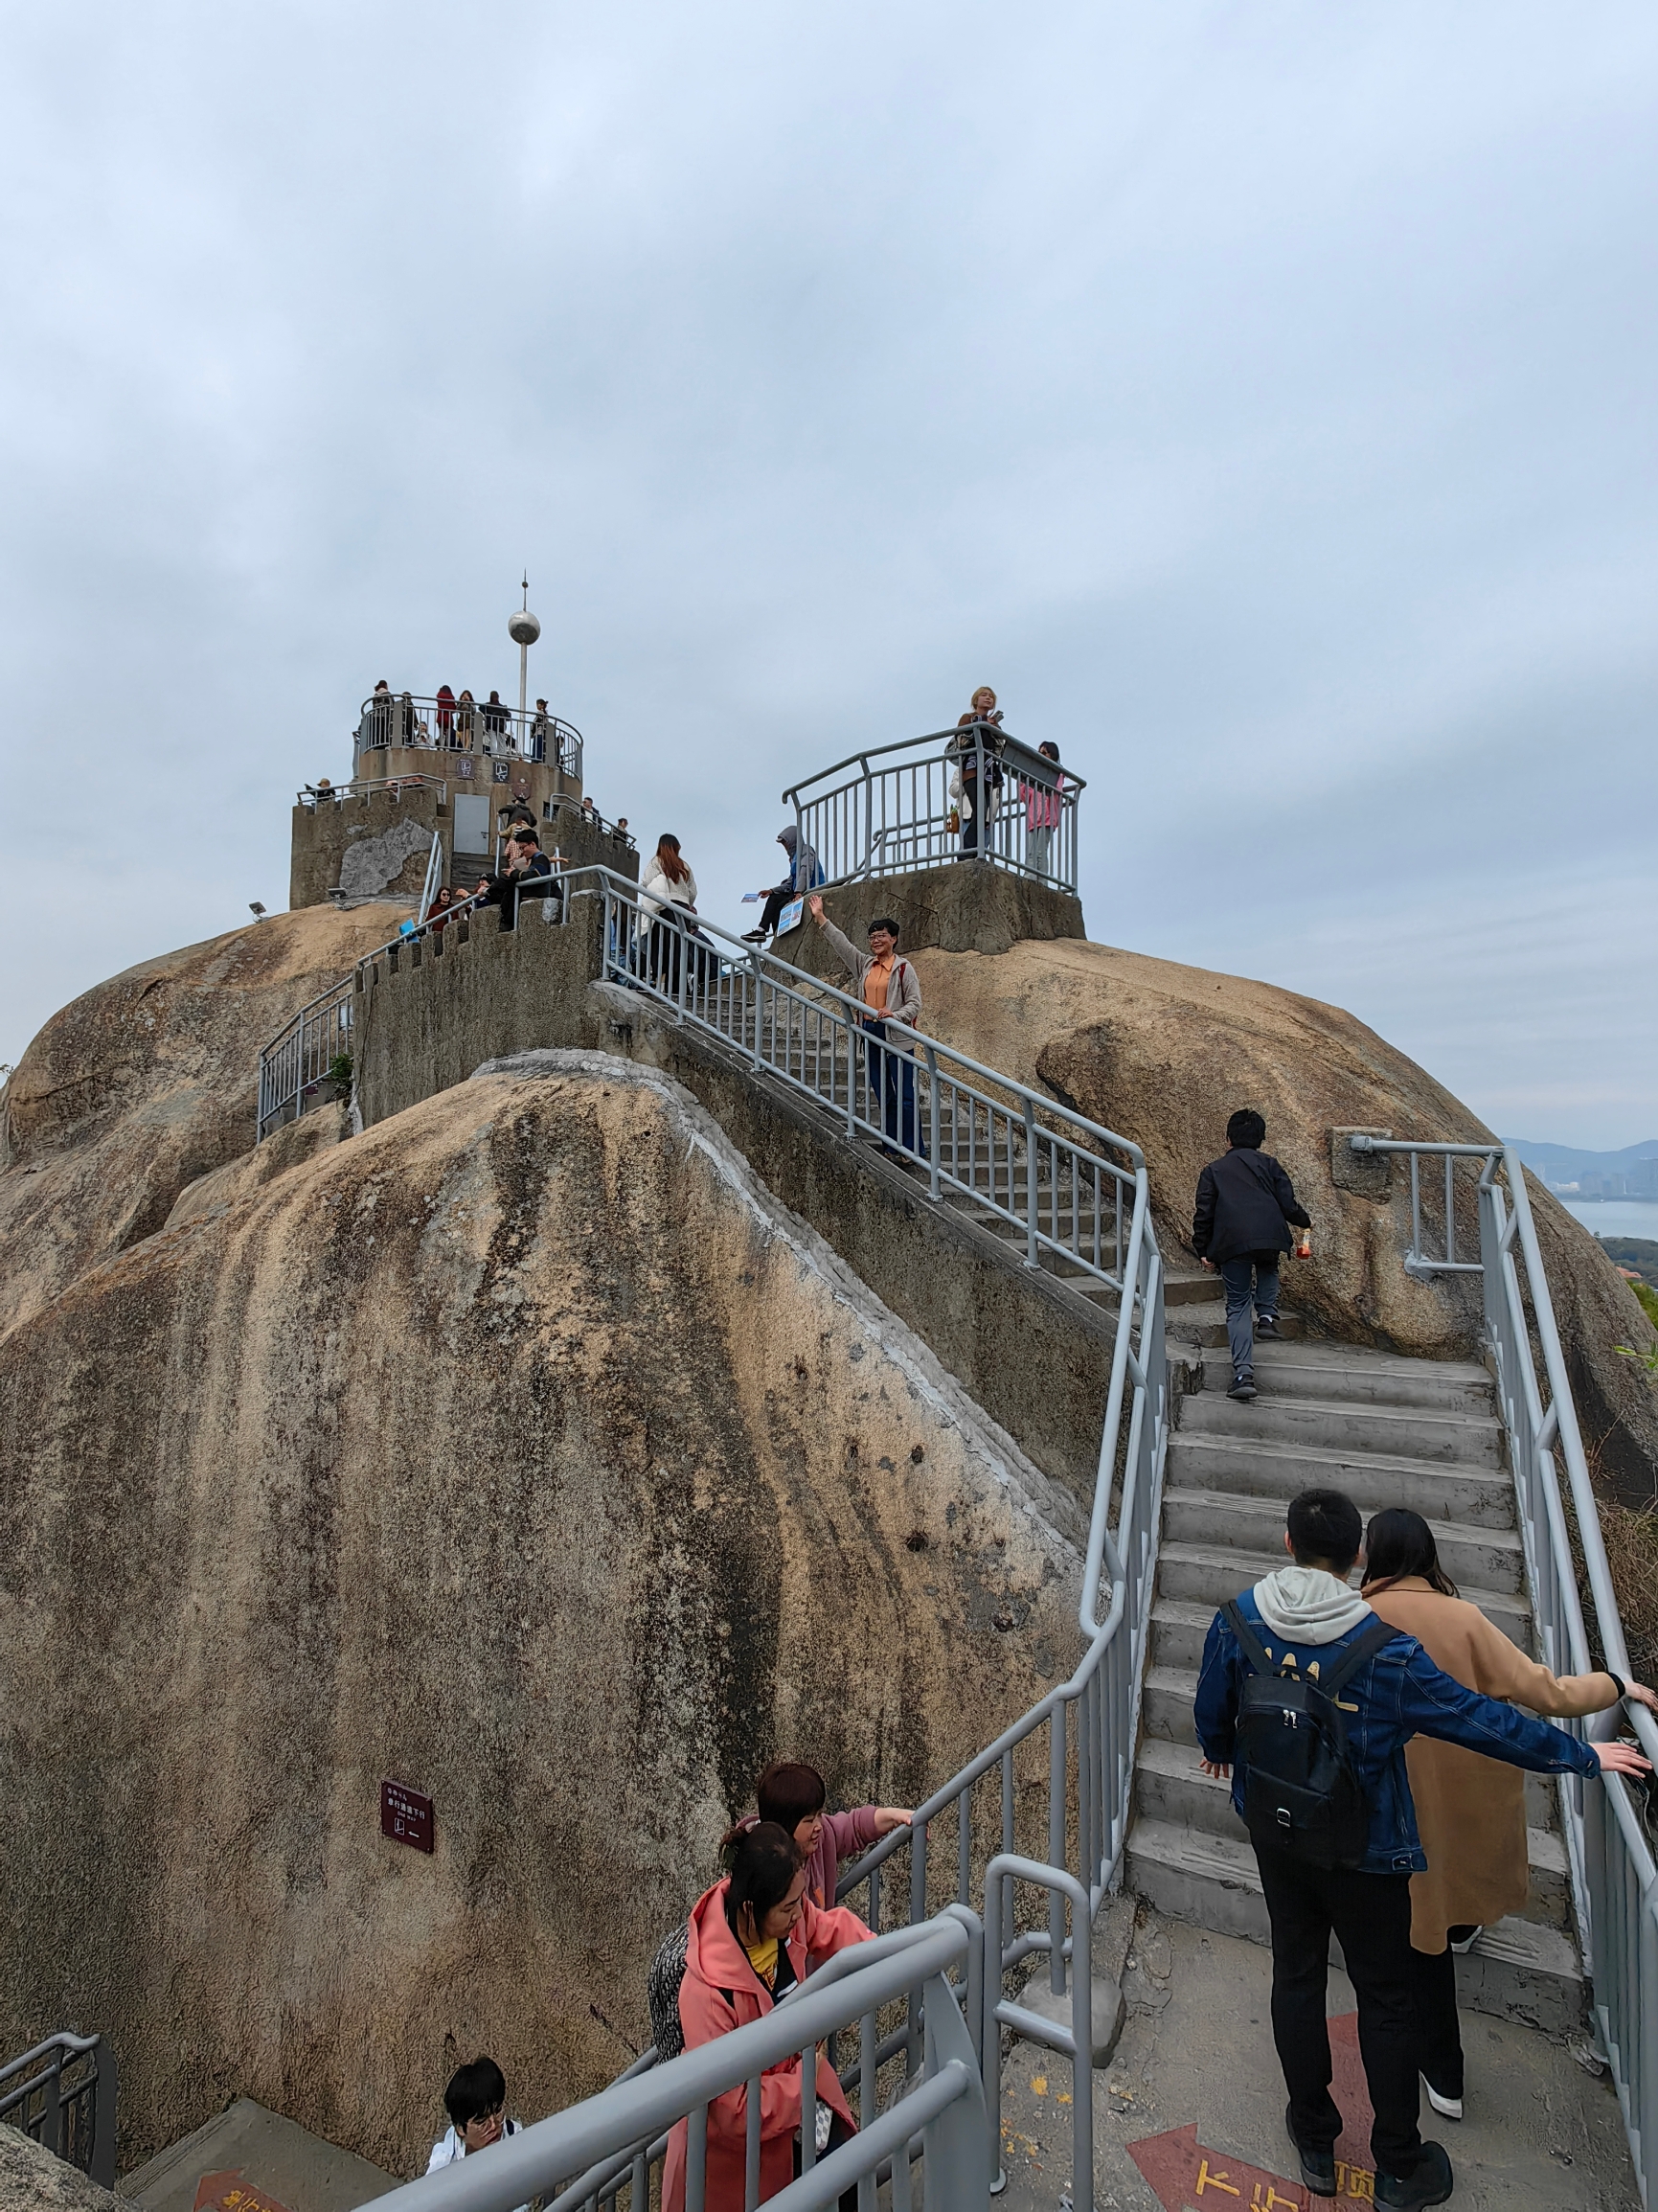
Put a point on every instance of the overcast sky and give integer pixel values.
(1259, 397)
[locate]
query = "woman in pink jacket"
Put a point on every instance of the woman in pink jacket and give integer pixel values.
(748, 1943)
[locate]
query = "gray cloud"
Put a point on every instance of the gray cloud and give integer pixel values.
(1258, 397)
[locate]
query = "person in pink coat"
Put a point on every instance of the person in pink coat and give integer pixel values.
(795, 1795)
(748, 1943)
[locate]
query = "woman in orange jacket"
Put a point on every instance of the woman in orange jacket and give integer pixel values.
(747, 1944)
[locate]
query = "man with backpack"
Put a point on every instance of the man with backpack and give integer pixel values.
(1245, 1202)
(1307, 1700)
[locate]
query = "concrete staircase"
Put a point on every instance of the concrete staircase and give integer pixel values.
(1388, 1432)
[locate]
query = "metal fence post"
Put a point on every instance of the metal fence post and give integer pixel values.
(101, 2169)
(1030, 1182)
(932, 1060)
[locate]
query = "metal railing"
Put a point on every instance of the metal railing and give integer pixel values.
(1064, 1771)
(466, 727)
(1614, 1876)
(359, 788)
(616, 2142)
(958, 794)
(62, 2094)
(1032, 1165)
(295, 1064)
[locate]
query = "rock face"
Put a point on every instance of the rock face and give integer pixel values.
(522, 1450)
(32, 2180)
(1162, 1054)
(147, 1082)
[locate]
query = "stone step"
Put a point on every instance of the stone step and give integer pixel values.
(1206, 1573)
(1338, 1424)
(1488, 1559)
(1520, 1970)
(1203, 1322)
(1353, 1374)
(1170, 1787)
(1482, 1498)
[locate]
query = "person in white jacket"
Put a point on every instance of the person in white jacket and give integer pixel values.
(667, 881)
(476, 2103)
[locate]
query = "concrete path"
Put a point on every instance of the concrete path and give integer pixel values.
(1196, 2068)
(250, 2160)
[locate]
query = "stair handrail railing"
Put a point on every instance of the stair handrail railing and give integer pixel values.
(890, 812)
(1024, 1160)
(64, 2103)
(1614, 1873)
(615, 2140)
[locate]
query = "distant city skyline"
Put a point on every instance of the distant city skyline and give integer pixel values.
(1260, 401)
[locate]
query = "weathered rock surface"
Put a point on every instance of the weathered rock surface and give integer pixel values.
(1164, 1053)
(147, 1082)
(32, 2180)
(524, 1452)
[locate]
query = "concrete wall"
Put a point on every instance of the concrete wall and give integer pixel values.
(1026, 1350)
(393, 835)
(378, 845)
(969, 907)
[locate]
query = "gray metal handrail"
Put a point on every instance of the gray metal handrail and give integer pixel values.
(613, 2140)
(408, 720)
(1016, 1155)
(907, 805)
(66, 2100)
(360, 786)
(1614, 1875)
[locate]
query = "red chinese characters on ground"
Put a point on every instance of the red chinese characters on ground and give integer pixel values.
(1191, 2177)
(228, 2192)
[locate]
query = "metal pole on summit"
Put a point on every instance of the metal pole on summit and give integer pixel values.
(523, 628)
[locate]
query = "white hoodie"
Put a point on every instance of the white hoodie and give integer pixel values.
(451, 2148)
(1305, 1605)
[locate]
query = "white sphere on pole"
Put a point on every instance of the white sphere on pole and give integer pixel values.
(522, 627)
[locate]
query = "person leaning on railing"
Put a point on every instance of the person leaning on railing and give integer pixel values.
(667, 883)
(1042, 805)
(891, 990)
(1470, 1810)
(748, 1942)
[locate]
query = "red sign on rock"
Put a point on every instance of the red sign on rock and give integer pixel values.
(406, 1816)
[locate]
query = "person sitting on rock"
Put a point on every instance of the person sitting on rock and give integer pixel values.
(794, 1795)
(804, 873)
(476, 2103)
(1245, 1202)
(749, 1940)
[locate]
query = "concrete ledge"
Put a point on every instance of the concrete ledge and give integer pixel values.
(969, 907)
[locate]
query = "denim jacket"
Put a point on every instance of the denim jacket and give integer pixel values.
(1397, 1694)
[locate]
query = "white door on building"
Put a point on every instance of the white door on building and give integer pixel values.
(471, 824)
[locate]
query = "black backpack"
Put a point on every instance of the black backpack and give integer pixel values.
(1300, 1793)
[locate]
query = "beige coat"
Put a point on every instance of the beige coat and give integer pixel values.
(1471, 1810)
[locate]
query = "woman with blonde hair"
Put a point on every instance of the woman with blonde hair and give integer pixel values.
(978, 735)
(1470, 1810)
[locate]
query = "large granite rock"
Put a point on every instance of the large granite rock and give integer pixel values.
(1165, 1053)
(522, 1450)
(32, 2180)
(147, 1082)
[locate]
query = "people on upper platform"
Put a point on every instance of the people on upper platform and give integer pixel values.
(497, 720)
(540, 731)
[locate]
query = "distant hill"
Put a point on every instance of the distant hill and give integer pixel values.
(1562, 1163)
(1640, 1253)
(1632, 1172)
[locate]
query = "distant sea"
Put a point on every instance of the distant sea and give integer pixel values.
(1616, 1216)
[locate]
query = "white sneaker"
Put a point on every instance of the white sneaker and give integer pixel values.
(1447, 2108)
(1468, 1943)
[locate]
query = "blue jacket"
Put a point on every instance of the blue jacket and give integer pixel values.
(1399, 1694)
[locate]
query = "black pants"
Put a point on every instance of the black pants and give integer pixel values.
(839, 2133)
(774, 903)
(1438, 2035)
(1371, 1915)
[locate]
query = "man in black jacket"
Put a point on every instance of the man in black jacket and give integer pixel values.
(1245, 1203)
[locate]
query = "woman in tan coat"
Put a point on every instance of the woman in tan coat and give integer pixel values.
(1470, 1810)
